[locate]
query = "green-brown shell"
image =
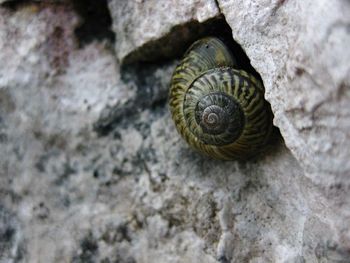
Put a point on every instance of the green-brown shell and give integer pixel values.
(218, 109)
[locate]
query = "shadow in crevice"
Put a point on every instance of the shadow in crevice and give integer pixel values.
(179, 39)
(175, 43)
(97, 21)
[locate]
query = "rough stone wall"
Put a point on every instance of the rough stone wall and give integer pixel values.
(92, 169)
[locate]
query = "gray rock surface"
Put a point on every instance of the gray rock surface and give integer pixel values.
(92, 169)
(139, 25)
(306, 71)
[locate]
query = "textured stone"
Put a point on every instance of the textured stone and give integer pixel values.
(139, 23)
(304, 61)
(93, 170)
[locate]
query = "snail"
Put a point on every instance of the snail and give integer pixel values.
(217, 108)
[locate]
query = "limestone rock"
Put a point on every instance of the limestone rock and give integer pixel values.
(301, 53)
(139, 23)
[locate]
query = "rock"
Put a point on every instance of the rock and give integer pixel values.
(138, 24)
(93, 170)
(304, 62)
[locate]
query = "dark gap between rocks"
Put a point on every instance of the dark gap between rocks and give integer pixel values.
(174, 44)
(97, 21)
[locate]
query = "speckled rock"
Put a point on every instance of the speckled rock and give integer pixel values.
(93, 170)
(11, 238)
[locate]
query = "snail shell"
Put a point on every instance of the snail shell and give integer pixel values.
(217, 108)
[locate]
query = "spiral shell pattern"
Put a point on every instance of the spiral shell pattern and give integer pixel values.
(217, 108)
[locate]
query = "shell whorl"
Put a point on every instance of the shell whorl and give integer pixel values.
(218, 110)
(218, 118)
